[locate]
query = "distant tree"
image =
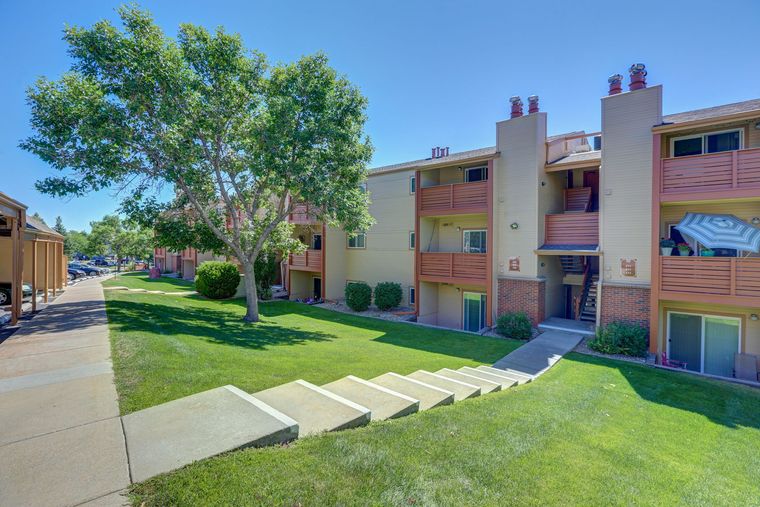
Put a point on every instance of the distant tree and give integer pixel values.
(240, 142)
(38, 217)
(113, 236)
(59, 227)
(75, 242)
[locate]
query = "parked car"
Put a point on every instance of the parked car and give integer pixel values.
(70, 276)
(89, 270)
(5, 293)
(77, 273)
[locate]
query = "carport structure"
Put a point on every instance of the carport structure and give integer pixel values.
(30, 252)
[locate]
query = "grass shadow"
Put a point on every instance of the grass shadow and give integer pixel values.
(724, 403)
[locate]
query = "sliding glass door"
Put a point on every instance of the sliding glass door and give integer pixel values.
(706, 343)
(474, 311)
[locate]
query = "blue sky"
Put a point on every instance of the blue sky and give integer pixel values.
(436, 73)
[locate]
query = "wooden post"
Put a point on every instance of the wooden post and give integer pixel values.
(417, 240)
(34, 275)
(734, 169)
(489, 247)
(654, 289)
(15, 271)
(47, 271)
(55, 269)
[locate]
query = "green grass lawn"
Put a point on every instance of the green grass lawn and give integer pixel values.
(140, 280)
(589, 432)
(166, 347)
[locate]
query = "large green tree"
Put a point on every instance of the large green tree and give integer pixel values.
(238, 141)
(114, 236)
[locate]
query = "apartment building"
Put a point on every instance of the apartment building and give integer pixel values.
(567, 227)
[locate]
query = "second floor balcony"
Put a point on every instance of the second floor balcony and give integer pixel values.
(454, 267)
(303, 214)
(720, 175)
(572, 229)
(310, 260)
(454, 198)
(718, 280)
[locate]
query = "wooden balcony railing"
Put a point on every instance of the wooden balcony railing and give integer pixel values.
(714, 172)
(572, 229)
(188, 254)
(455, 267)
(303, 214)
(310, 260)
(454, 199)
(727, 280)
(159, 253)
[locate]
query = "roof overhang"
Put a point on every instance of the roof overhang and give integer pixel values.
(10, 206)
(568, 251)
(567, 166)
(706, 122)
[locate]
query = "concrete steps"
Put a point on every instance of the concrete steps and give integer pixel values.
(486, 386)
(173, 434)
(314, 409)
(519, 376)
(461, 390)
(383, 403)
(504, 381)
(429, 396)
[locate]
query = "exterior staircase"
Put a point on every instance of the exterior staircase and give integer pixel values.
(572, 264)
(588, 307)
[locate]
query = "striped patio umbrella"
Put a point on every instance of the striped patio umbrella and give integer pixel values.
(720, 231)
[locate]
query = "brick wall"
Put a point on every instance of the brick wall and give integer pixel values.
(527, 296)
(626, 303)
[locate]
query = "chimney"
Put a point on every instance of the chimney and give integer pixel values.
(616, 84)
(533, 104)
(638, 73)
(517, 109)
(439, 152)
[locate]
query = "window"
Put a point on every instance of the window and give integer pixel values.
(696, 246)
(412, 184)
(474, 311)
(363, 187)
(706, 143)
(474, 241)
(316, 242)
(357, 240)
(412, 296)
(473, 174)
(411, 240)
(706, 343)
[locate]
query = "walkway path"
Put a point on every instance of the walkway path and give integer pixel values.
(539, 354)
(61, 438)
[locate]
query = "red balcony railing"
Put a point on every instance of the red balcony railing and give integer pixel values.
(455, 267)
(188, 254)
(303, 214)
(572, 229)
(729, 280)
(454, 198)
(728, 170)
(310, 260)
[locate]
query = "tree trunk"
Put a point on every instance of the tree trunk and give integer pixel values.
(251, 297)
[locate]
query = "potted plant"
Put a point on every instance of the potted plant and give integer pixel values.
(684, 249)
(667, 246)
(707, 252)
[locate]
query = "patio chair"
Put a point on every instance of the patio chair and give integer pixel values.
(746, 367)
(672, 363)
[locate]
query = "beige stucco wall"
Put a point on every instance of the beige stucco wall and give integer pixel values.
(442, 303)
(445, 234)
(520, 169)
(387, 256)
(301, 284)
(626, 181)
(334, 251)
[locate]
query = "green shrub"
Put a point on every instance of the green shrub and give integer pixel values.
(621, 338)
(388, 295)
(217, 280)
(358, 296)
(514, 325)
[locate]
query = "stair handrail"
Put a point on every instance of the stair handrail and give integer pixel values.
(581, 301)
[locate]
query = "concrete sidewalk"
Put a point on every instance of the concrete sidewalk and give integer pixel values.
(62, 441)
(539, 354)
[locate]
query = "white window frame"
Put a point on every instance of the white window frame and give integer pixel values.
(702, 333)
(412, 296)
(704, 140)
(356, 237)
(313, 237)
(466, 231)
(412, 240)
(468, 169)
(480, 295)
(412, 184)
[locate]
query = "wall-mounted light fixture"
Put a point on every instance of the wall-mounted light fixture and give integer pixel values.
(514, 226)
(754, 317)
(755, 220)
(543, 183)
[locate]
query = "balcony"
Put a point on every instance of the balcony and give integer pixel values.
(303, 214)
(713, 176)
(453, 267)
(188, 254)
(718, 280)
(572, 229)
(310, 260)
(453, 199)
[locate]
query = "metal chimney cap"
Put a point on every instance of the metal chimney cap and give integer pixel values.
(638, 68)
(533, 98)
(515, 99)
(615, 78)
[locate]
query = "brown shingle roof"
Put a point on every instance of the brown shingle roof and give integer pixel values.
(585, 156)
(453, 158)
(713, 112)
(33, 225)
